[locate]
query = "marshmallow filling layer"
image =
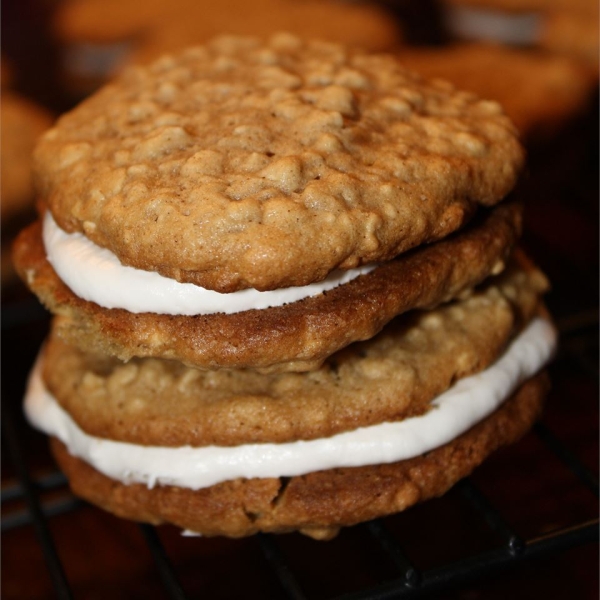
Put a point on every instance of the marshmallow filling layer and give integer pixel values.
(95, 274)
(467, 402)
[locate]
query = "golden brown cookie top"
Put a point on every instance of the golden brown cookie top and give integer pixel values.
(249, 164)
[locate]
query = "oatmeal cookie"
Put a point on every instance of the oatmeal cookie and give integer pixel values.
(392, 376)
(249, 164)
(294, 337)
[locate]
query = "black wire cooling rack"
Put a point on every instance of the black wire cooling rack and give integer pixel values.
(32, 499)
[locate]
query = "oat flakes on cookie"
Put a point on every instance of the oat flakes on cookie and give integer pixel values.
(244, 164)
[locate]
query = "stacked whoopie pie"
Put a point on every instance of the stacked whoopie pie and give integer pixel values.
(286, 289)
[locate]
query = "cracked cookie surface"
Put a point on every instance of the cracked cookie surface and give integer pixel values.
(244, 163)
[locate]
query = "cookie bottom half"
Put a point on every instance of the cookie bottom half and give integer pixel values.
(317, 504)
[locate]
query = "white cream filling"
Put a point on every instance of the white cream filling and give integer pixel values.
(96, 274)
(471, 23)
(455, 411)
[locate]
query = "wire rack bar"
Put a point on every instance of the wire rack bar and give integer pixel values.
(40, 524)
(566, 456)
(53, 508)
(501, 558)
(477, 566)
(390, 547)
(165, 569)
(49, 481)
(280, 567)
(491, 516)
(582, 533)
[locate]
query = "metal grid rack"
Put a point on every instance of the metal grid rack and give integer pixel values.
(404, 577)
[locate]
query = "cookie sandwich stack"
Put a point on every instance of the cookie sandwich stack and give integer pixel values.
(286, 286)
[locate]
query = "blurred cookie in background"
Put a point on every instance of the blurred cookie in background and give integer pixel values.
(360, 24)
(6, 73)
(97, 37)
(573, 34)
(540, 92)
(560, 26)
(94, 36)
(23, 121)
